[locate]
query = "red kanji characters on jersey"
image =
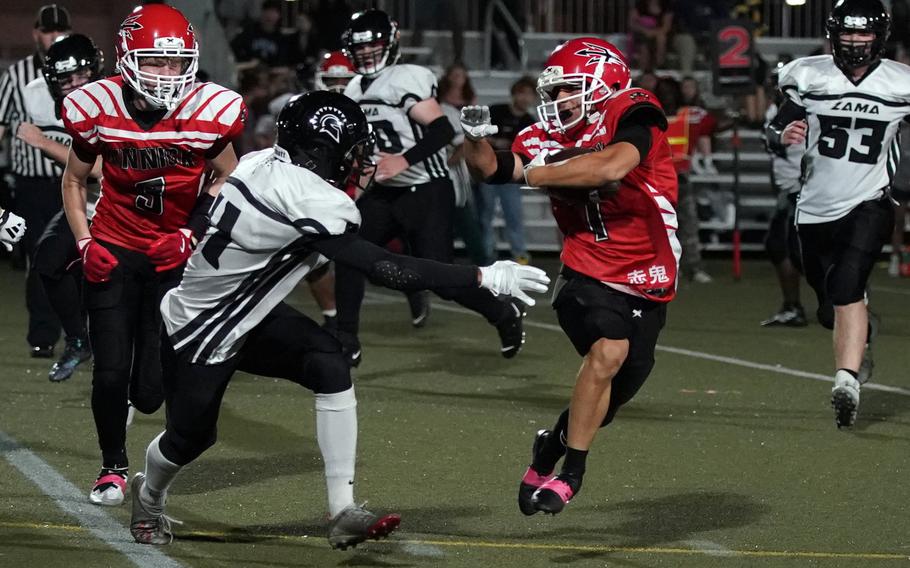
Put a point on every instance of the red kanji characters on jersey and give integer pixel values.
(628, 240)
(152, 174)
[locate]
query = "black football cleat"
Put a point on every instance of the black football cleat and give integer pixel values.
(511, 329)
(533, 480)
(76, 351)
(789, 316)
(419, 302)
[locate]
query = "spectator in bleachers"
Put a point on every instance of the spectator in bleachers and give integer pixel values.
(691, 27)
(650, 22)
(702, 153)
(647, 81)
(511, 118)
(329, 19)
(455, 87)
(682, 134)
(263, 42)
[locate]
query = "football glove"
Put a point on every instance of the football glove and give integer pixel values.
(475, 121)
(539, 160)
(12, 227)
(513, 279)
(97, 261)
(171, 250)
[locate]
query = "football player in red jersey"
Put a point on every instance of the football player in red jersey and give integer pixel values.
(620, 253)
(334, 73)
(158, 132)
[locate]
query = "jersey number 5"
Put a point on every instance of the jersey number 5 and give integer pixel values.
(150, 196)
(835, 138)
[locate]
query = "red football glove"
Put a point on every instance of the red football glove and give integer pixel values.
(171, 250)
(97, 261)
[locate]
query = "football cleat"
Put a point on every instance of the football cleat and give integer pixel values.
(355, 524)
(511, 329)
(75, 352)
(845, 399)
(148, 525)
(110, 487)
(419, 303)
(555, 494)
(790, 316)
(533, 480)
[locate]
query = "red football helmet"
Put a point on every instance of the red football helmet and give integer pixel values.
(335, 72)
(158, 30)
(593, 66)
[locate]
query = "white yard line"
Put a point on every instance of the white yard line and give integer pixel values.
(74, 502)
(779, 369)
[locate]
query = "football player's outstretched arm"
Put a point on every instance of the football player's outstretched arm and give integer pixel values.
(485, 163)
(408, 273)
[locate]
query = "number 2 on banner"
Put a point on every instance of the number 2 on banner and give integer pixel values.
(734, 56)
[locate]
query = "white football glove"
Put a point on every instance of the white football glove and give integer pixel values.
(511, 278)
(539, 160)
(12, 227)
(475, 121)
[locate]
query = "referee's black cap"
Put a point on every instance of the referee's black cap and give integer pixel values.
(52, 18)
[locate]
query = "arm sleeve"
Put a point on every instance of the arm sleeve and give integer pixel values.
(505, 167)
(789, 111)
(439, 133)
(394, 271)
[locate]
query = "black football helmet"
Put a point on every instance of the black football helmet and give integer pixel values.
(326, 133)
(371, 28)
(67, 56)
(857, 16)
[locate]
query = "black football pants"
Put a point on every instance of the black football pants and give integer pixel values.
(124, 328)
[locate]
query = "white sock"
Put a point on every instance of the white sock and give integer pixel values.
(330, 313)
(159, 474)
(336, 432)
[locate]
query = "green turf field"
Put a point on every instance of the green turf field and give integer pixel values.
(717, 462)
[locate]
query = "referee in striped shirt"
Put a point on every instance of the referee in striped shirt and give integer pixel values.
(37, 177)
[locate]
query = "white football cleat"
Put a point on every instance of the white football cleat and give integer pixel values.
(845, 399)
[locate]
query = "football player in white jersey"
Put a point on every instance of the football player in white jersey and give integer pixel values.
(412, 197)
(71, 62)
(846, 109)
(281, 215)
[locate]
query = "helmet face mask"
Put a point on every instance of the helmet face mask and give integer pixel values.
(857, 30)
(371, 42)
(580, 74)
(150, 39)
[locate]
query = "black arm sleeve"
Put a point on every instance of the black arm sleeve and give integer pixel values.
(394, 271)
(636, 134)
(199, 217)
(787, 113)
(505, 167)
(439, 133)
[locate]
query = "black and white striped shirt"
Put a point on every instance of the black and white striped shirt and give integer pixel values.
(26, 160)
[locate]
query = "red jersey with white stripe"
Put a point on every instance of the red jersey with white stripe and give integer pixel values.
(152, 174)
(628, 241)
